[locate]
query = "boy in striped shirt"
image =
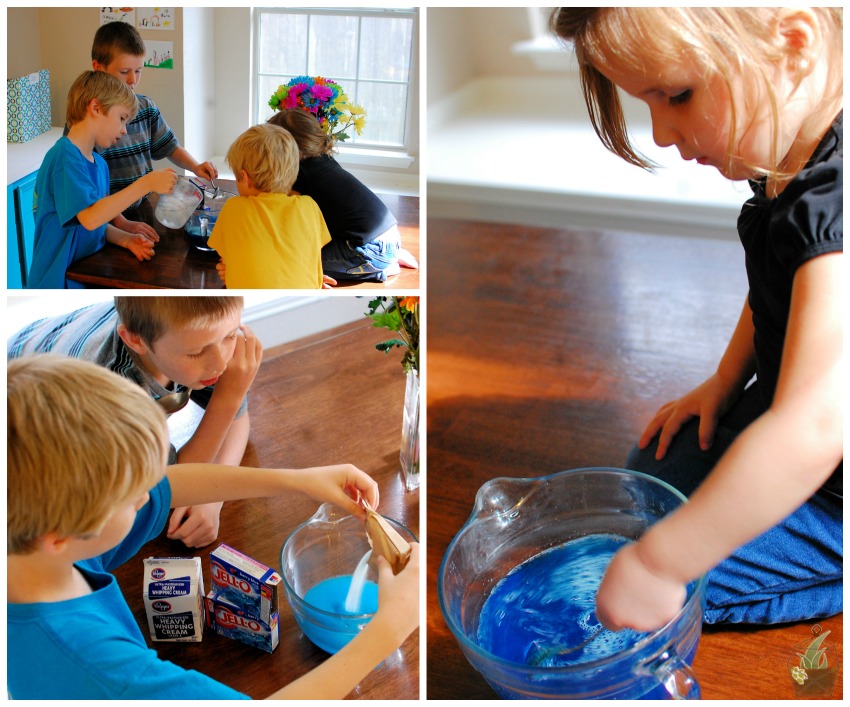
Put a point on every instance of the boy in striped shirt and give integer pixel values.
(119, 50)
(168, 345)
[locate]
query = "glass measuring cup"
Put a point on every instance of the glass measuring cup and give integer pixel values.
(328, 546)
(513, 520)
(174, 209)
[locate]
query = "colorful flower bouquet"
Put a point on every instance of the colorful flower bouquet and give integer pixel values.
(323, 98)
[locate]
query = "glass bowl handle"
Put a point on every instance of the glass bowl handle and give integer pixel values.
(674, 673)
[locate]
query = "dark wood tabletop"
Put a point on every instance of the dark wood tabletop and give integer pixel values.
(550, 349)
(179, 265)
(307, 408)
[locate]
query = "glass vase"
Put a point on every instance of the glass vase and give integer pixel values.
(409, 455)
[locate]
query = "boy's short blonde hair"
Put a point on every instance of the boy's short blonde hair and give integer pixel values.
(269, 154)
(81, 440)
(303, 126)
(151, 317)
(102, 87)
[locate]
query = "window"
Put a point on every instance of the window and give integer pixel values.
(369, 52)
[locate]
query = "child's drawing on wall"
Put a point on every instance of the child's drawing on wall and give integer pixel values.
(159, 55)
(157, 18)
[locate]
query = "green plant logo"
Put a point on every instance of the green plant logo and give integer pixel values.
(813, 665)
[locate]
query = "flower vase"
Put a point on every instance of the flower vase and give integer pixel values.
(409, 455)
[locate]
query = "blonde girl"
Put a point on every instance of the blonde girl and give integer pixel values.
(755, 93)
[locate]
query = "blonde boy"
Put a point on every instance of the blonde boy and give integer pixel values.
(86, 491)
(265, 237)
(72, 206)
(170, 347)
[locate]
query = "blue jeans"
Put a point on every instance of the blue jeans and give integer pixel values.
(791, 572)
(371, 262)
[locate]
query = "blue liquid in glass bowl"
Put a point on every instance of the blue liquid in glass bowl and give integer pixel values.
(542, 612)
(323, 618)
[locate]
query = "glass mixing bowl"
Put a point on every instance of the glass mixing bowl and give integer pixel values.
(200, 224)
(328, 545)
(513, 520)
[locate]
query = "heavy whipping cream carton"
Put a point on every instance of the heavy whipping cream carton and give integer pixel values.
(245, 583)
(173, 591)
(230, 620)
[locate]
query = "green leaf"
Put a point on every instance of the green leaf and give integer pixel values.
(815, 655)
(387, 345)
(386, 320)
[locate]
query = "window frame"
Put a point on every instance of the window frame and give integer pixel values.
(364, 153)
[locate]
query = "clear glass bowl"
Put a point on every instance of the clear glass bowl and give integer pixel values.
(200, 224)
(513, 520)
(328, 545)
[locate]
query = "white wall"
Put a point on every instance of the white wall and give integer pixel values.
(465, 43)
(274, 319)
(200, 88)
(233, 59)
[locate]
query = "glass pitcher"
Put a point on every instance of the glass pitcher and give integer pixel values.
(513, 520)
(174, 209)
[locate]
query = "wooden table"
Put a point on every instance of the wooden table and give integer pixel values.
(307, 408)
(177, 264)
(551, 349)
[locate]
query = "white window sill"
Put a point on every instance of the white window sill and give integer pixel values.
(376, 159)
(382, 172)
(548, 53)
(382, 159)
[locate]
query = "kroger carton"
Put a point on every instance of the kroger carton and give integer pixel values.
(173, 591)
(231, 621)
(244, 583)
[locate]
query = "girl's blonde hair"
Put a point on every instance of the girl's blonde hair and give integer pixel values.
(105, 88)
(81, 440)
(312, 140)
(269, 155)
(151, 317)
(732, 42)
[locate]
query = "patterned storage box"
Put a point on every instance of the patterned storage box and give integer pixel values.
(28, 110)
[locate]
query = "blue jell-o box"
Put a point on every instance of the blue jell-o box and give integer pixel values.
(173, 592)
(230, 621)
(245, 583)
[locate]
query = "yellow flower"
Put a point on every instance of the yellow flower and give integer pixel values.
(359, 124)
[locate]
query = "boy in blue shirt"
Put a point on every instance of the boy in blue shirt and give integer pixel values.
(86, 491)
(72, 206)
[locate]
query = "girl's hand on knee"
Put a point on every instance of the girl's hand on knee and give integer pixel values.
(708, 401)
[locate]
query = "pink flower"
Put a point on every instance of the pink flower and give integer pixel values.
(322, 93)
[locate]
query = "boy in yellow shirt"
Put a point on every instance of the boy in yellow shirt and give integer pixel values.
(265, 237)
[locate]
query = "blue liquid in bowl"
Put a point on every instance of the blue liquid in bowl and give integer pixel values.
(545, 607)
(332, 627)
